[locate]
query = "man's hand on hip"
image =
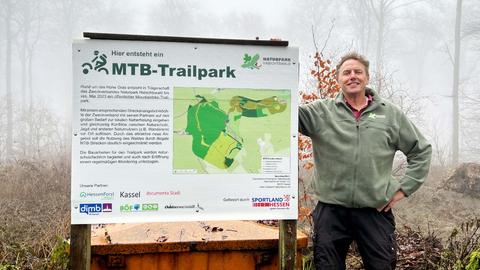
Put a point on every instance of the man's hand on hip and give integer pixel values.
(399, 195)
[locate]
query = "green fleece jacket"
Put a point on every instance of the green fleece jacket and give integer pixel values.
(353, 159)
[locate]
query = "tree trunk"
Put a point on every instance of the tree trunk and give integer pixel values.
(456, 74)
(8, 81)
(23, 54)
(379, 54)
(30, 103)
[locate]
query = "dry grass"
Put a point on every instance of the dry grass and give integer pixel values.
(34, 206)
(35, 212)
(434, 208)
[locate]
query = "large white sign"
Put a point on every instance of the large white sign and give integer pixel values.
(167, 131)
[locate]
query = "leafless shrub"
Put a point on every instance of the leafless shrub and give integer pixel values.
(462, 243)
(34, 206)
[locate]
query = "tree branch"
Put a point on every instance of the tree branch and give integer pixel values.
(314, 39)
(452, 61)
(332, 25)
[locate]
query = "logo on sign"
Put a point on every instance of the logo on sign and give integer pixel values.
(91, 208)
(94, 208)
(150, 207)
(130, 207)
(271, 202)
(97, 63)
(277, 60)
(107, 207)
(124, 194)
(251, 61)
(197, 208)
(98, 195)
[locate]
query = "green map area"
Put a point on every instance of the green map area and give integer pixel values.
(229, 130)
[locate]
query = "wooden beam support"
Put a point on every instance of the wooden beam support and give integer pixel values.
(280, 43)
(287, 244)
(80, 247)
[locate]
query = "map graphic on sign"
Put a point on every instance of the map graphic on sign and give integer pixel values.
(226, 130)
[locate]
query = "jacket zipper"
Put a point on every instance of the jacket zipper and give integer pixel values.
(370, 108)
(357, 149)
(355, 167)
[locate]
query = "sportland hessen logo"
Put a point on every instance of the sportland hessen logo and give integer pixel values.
(271, 202)
(251, 62)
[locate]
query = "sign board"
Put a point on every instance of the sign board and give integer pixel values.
(169, 131)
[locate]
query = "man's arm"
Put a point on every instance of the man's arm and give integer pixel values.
(418, 151)
(309, 116)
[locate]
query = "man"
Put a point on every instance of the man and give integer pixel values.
(355, 137)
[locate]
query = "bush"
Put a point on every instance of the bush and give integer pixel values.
(35, 211)
(463, 246)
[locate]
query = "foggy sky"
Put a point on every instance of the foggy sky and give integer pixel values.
(418, 42)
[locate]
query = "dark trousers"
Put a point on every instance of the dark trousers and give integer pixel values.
(335, 227)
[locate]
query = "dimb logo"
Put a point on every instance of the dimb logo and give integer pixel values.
(97, 63)
(251, 62)
(90, 208)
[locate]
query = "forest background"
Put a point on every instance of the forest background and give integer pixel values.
(424, 57)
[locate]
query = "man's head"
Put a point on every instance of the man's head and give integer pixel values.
(352, 73)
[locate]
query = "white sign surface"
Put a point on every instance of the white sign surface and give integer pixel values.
(168, 131)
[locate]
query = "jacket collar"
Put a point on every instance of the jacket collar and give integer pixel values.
(340, 98)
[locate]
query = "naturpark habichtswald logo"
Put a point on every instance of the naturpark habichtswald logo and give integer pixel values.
(251, 62)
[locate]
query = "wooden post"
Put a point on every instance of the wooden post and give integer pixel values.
(80, 248)
(287, 244)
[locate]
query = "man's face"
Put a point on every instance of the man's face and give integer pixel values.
(352, 77)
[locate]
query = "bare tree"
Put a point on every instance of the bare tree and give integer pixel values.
(440, 150)
(468, 80)
(471, 26)
(361, 20)
(456, 76)
(8, 79)
(384, 14)
(29, 25)
(3, 121)
(47, 133)
(314, 17)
